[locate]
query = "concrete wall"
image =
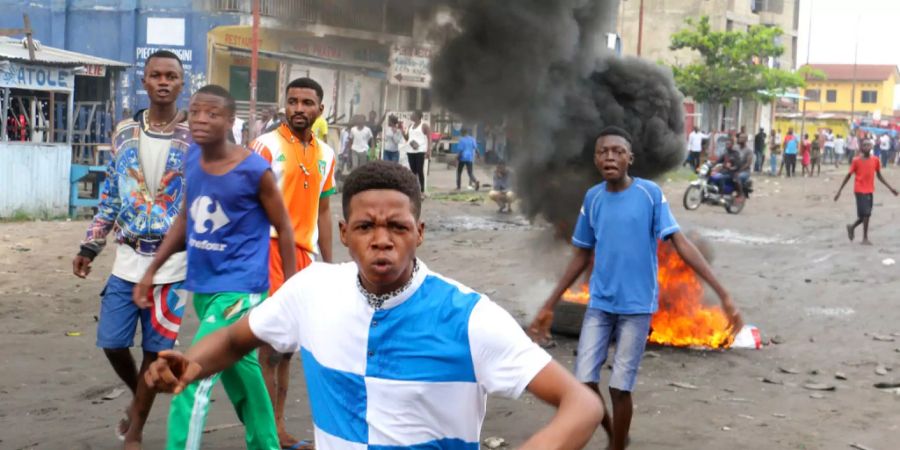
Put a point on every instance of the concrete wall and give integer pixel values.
(117, 29)
(34, 178)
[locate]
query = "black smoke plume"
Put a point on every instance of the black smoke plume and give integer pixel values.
(543, 66)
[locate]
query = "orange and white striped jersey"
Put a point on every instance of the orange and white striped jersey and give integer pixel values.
(305, 175)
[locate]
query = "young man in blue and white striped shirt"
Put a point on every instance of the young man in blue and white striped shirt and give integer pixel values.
(395, 356)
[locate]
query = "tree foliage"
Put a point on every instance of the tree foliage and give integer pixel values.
(733, 64)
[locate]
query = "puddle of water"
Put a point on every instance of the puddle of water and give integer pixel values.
(470, 223)
(734, 237)
(839, 311)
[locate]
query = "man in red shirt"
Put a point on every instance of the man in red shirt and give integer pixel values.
(866, 169)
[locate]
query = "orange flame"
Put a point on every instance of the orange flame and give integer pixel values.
(682, 320)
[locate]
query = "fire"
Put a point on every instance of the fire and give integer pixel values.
(682, 320)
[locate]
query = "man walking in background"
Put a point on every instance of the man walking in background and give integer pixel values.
(304, 168)
(759, 150)
(360, 141)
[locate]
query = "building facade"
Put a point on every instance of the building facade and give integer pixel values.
(864, 90)
(663, 18)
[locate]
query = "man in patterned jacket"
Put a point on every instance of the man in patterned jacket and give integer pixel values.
(141, 198)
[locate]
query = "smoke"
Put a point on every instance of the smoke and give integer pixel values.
(544, 68)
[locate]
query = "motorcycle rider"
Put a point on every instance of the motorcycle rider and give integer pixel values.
(731, 162)
(747, 157)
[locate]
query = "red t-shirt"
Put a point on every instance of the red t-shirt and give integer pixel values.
(865, 169)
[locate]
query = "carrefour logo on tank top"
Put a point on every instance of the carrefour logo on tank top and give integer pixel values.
(208, 216)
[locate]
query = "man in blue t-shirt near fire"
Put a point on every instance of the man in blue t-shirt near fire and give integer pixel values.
(620, 223)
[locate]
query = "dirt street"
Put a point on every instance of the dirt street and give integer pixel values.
(786, 259)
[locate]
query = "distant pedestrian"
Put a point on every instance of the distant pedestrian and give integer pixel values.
(500, 190)
(805, 154)
(816, 155)
(791, 148)
(852, 146)
(393, 137)
(360, 141)
(839, 149)
(759, 150)
(774, 151)
(828, 145)
(695, 147)
(865, 168)
(884, 148)
(466, 148)
(419, 138)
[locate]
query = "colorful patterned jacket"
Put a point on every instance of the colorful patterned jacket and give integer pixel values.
(127, 207)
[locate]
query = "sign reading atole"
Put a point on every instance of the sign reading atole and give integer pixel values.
(39, 78)
(410, 66)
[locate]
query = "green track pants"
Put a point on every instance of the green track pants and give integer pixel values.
(243, 382)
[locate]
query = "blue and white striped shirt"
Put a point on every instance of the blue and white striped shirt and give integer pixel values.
(412, 375)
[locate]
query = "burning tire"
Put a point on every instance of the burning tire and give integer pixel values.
(693, 198)
(567, 318)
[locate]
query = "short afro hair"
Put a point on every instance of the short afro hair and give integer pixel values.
(219, 91)
(613, 130)
(164, 54)
(382, 175)
(306, 83)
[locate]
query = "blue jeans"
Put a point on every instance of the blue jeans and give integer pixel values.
(773, 163)
(393, 156)
(631, 331)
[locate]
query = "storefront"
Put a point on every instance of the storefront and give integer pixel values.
(57, 110)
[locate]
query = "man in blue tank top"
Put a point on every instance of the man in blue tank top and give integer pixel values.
(231, 200)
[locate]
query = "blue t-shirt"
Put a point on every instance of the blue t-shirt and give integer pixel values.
(227, 234)
(623, 229)
(466, 148)
(790, 148)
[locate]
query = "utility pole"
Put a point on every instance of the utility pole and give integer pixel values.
(853, 89)
(26, 31)
(805, 77)
(254, 68)
(640, 27)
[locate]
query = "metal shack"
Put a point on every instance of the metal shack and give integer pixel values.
(58, 107)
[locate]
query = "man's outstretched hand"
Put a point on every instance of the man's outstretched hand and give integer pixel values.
(171, 372)
(539, 330)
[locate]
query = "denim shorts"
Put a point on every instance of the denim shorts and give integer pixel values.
(630, 331)
(119, 316)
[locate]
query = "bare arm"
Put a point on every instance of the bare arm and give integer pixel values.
(280, 220)
(579, 410)
(427, 130)
(884, 182)
(696, 261)
(539, 329)
(324, 224)
(172, 243)
(172, 371)
(844, 183)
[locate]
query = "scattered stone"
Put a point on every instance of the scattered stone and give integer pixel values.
(114, 394)
(683, 385)
(726, 428)
(888, 261)
(779, 415)
(730, 391)
(819, 387)
(651, 354)
(808, 280)
(777, 340)
(788, 370)
(895, 334)
(494, 442)
(881, 370)
(814, 372)
(772, 380)
(816, 396)
(744, 416)
(882, 338)
(812, 339)
(887, 384)
(859, 447)
(840, 376)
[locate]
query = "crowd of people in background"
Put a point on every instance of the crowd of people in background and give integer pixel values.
(784, 152)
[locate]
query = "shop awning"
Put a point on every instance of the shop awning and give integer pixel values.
(305, 59)
(14, 50)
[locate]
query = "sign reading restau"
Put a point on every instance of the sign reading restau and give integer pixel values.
(41, 78)
(410, 66)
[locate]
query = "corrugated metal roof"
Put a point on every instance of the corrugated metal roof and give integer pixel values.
(13, 49)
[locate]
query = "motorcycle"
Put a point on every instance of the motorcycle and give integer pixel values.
(716, 189)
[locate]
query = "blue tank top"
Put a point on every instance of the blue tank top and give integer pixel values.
(227, 228)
